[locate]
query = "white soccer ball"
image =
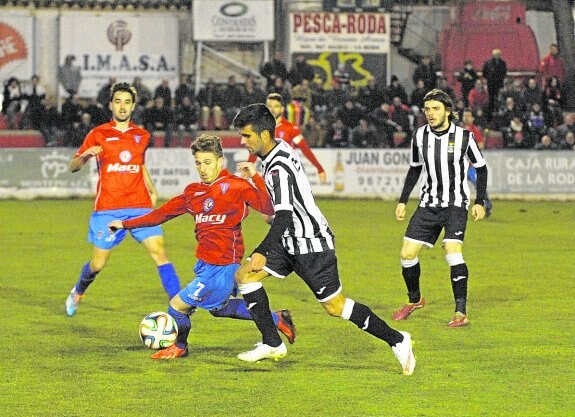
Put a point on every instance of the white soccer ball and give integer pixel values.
(158, 330)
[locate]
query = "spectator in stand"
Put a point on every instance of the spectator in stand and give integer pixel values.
(98, 113)
(552, 100)
(252, 93)
(302, 93)
(519, 89)
(319, 99)
(276, 68)
(11, 102)
(425, 71)
(341, 76)
(480, 118)
(532, 93)
(417, 95)
(494, 71)
(159, 118)
(350, 114)
(515, 135)
(186, 117)
(552, 65)
(564, 128)
(444, 86)
(395, 89)
(369, 96)
(51, 122)
(103, 96)
(297, 113)
(467, 77)
(280, 87)
(568, 143)
(76, 136)
(164, 91)
(300, 70)
(210, 99)
(478, 97)
(337, 135)
(537, 122)
(314, 132)
(509, 112)
(143, 93)
(33, 94)
(459, 108)
(545, 144)
(506, 91)
(184, 89)
(402, 117)
(385, 128)
(336, 98)
(232, 98)
(363, 135)
(71, 112)
(70, 76)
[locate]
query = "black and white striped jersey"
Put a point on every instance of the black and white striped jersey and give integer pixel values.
(289, 189)
(445, 160)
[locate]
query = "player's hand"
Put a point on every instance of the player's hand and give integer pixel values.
(478, 212)
(268, 219)
(115, 225)
(247, 169)
(322, 177)
(400, 211)
(257, 262)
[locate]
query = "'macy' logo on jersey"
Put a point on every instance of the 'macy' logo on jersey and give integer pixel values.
(130, 168)
(210, 218)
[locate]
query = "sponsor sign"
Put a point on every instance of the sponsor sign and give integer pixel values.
(16, 42)
(121, 45)
(233, 21)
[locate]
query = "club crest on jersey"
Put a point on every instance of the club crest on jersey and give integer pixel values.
(137, 139)
(224, 187)
(450, 147)
(125, 156)
(208, 204)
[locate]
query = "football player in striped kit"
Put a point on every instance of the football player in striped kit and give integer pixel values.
(443, 151)
(300, 241)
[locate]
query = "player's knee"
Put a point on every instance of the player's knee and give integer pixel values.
(407, 255)
(241, 275)
(334, 307)
(96, 265)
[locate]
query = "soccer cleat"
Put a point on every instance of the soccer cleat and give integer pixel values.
(171, 352)
(403, 351)
(73, 301)
(404, 312)
(285, 325)
(459, 319)
(263, 351)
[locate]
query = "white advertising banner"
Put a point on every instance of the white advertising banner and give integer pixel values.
(233, 21)
(336, 32)
(121, 44)
(16, 46)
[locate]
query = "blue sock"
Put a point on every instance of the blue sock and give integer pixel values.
(86, 278)
(184, 326)
(235, 308)
(170, 279)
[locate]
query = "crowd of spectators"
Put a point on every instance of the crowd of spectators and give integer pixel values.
(527, 113)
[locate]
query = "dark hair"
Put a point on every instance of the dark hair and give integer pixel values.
(208, 143)
(123, 87)
(277, 97)
(258, 116)
(439, 95)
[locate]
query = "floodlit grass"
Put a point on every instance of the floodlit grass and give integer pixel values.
(515, 359)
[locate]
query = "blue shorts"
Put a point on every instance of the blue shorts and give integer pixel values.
(212, 286)
(100, 235)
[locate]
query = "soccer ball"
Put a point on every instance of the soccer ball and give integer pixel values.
(158, 330)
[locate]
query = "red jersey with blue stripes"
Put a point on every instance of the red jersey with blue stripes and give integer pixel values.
(218, 209)
(121, 181)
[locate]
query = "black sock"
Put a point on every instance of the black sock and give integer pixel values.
(367, 320)
(459, 278)
(258, 305)
(411, 278)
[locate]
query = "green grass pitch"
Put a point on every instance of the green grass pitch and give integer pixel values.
(515, 359)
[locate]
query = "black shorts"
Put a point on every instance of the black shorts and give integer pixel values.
(426, 223)
(317, 269)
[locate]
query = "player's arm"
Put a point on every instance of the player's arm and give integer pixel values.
(172, 208)
(252, 158)
(79, 161)
(476, 158)
(408, 186)
(257, 196)
(300, 142)
(150, 186)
